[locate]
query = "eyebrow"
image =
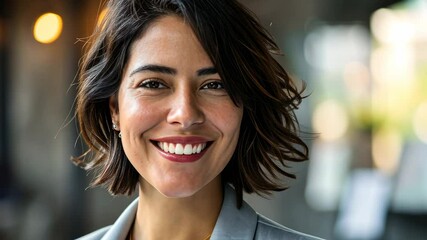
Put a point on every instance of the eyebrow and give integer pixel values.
(207, 71)
(171, 71)
(154, 68)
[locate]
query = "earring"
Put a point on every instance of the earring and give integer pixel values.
(115, 128)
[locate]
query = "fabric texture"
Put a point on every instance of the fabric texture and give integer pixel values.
(232, 223)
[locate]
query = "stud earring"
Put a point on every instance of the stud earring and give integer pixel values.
(116, 128)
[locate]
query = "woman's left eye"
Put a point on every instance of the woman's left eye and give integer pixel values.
(152, 84)
(213, 85)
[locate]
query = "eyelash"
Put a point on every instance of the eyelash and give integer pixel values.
(149, 84)
(156, 84)
(216, 83)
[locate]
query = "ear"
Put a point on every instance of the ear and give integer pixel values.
(114, 109)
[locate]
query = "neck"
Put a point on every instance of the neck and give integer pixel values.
(160, 217)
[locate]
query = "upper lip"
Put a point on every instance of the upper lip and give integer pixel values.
(182, 139)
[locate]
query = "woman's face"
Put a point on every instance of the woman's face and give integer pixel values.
(179, 126)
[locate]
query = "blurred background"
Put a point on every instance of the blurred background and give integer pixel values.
(365, 66)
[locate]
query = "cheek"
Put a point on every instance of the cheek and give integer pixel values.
(137, 117)
(228, 122)
(228, 119)
(137, 114)
(130, 107)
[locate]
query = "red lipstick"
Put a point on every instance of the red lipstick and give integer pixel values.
(191, 154)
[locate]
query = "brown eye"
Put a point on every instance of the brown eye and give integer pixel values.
(152, 84)
(213, 85)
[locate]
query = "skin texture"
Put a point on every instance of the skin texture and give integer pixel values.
(181, 99)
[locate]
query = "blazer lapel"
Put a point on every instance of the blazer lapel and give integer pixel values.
(119, 230)
(234, 223)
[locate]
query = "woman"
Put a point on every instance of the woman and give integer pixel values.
(183, 100)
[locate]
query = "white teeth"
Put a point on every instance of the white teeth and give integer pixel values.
(181, 149)
(188, 149)
(171, 148)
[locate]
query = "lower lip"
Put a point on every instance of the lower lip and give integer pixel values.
(182, 158)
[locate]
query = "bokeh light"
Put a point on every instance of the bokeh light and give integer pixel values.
(330, 120)
(48, 28)
(358, 80)
(392, 27)
(386, 150)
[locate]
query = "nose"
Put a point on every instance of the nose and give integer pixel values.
(185, 110)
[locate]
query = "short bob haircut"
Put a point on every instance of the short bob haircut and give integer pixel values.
(241, 51)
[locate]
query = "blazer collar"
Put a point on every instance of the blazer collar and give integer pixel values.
(121, 227)
(234, 223)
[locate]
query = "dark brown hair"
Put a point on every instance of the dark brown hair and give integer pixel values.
(240, 49)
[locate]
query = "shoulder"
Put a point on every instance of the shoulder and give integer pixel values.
(95, 235)
(246, 223)
(268, 229)
(120, 228)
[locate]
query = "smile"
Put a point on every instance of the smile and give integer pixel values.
(181, 148)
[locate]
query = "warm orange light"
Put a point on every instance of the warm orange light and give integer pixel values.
(102, 16)
(48, 28)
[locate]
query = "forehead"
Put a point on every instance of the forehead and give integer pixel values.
(172, 25)
(169, 40)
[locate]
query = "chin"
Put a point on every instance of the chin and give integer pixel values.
(178, 192)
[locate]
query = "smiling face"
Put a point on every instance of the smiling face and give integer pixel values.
(179, 126)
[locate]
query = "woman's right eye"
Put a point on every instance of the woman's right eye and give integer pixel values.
(151, 83)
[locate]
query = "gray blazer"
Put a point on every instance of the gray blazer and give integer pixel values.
(232, 223)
